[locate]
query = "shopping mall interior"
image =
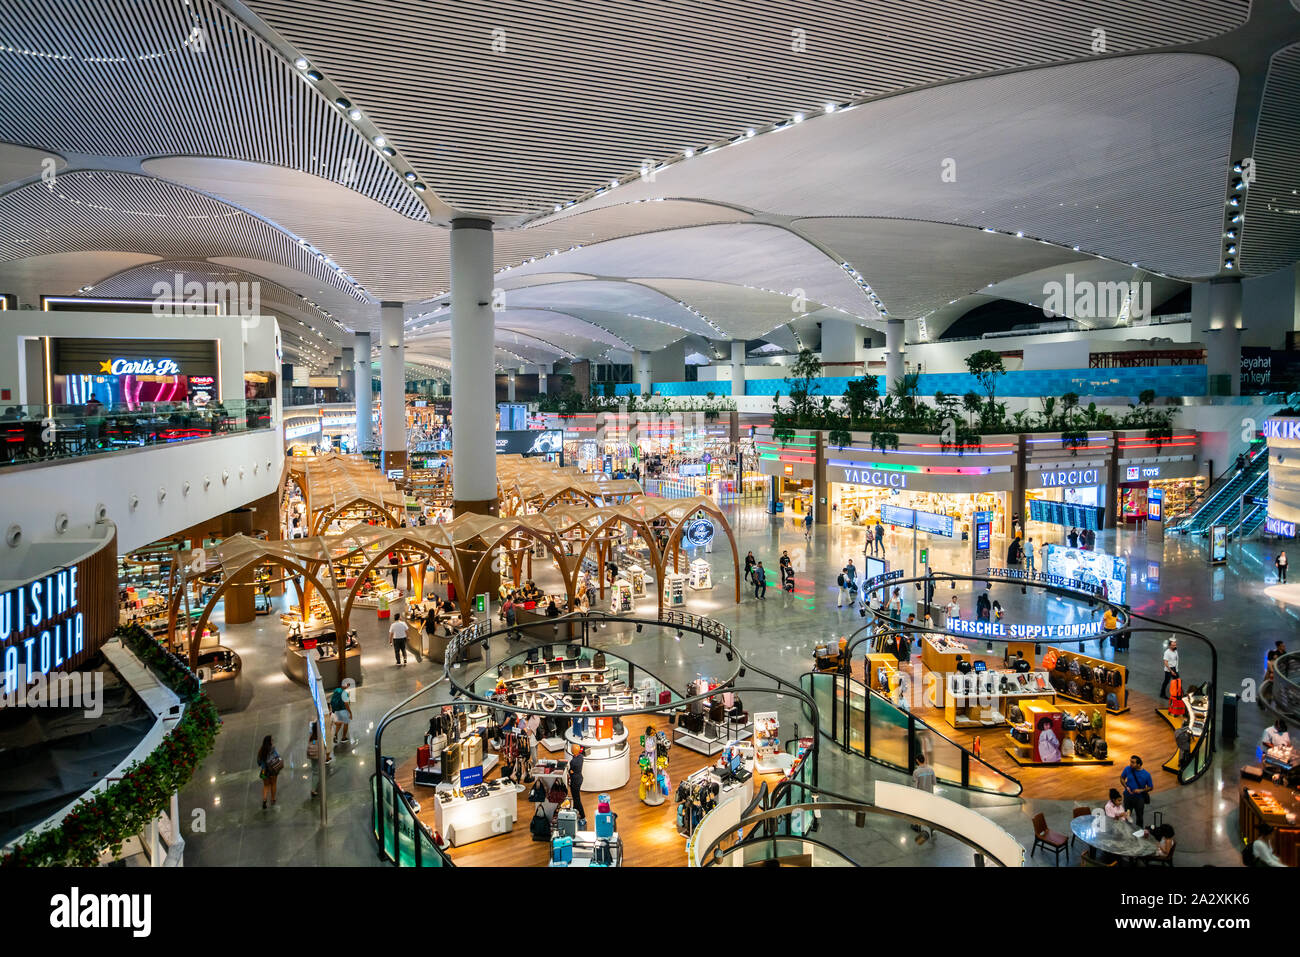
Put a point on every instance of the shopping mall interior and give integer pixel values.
(465, 435)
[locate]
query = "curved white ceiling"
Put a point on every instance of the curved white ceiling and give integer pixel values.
(511, 106)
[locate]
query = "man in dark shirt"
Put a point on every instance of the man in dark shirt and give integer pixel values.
(575, 785)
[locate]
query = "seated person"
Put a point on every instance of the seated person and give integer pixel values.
(1115, 809)
(1165, 843)
(552, 610)
(1276, 736)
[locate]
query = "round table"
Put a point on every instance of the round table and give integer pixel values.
(1114, 836)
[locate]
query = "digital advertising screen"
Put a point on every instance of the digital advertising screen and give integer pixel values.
(1091, 567)
(530, 442)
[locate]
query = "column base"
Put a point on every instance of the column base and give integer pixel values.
(486, 506)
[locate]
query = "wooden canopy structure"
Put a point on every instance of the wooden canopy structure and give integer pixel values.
(527, 485)
(334, 486)
(463, 549)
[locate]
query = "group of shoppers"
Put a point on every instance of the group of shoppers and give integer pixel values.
(270, 763)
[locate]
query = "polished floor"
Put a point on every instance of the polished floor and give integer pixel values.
(1172, 580)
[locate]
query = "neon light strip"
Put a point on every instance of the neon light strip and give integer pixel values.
(868, 451)
(1161, 445)
(923, 469)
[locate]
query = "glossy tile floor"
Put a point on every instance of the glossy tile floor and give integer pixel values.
(1172, 581)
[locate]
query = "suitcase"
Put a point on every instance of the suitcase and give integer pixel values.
(566, 822)
(562, 850)
(605, 825)
(665, 697)
(422, 756)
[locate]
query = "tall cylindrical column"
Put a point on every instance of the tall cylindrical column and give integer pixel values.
(365, 400)
(543, 370)
(893, 352)
(510, 386)
(737, 367)
(473, 375)
(348, 378)
(392, 384)
(1221, 309)
(643, 377)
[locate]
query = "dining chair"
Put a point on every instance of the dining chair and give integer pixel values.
(1078, 812)
(1049, 840)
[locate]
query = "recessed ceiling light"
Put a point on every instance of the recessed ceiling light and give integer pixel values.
(798, 117)
(410, 177)
(419, 187)
(613, 183)
(313, 75)
(1228, 264)
(354, 114)
(388, 151)
(380, 141)
(830, 107)
(748, 133)
(688, 152)
(343, 103)
(302, 64)
(1232, 250)
(1020, 234)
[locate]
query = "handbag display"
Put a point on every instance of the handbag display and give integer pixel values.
(472, 752)
(573, 651)
(450, 761)
(540, 826)
(599, 660)
(518, 671)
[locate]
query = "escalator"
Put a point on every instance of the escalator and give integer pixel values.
(1218, 505)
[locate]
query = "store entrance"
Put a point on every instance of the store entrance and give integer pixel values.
(795, 494)
(859, 505)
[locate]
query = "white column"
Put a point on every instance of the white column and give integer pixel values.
(643, 377)
(893, 352)
(348, 374)
(473, 376)
(392, 380)
(543, 370)
(364, 400)
(510, 386)
(1216, 311)
(737, 367)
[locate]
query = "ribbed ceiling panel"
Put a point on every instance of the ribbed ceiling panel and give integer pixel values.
(124, 78)
(96, 210)
(1271, 237)
(586, 90)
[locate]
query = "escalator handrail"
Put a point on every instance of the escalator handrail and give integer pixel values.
(1226, 478)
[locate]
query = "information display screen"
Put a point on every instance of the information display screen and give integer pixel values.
(1066, 514)
(1091, 567)
(930, 522)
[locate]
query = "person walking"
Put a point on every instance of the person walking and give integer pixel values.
(923, 780)
(760, 581)
(341, 709)
(851, 573)
(750, 562)
(397, 638)
(807, 527)
(269, 766)
(393, 565)
(1171, 666)
(952, 611)
(1137, 788)
(1073, 538)
(880, 538)
(1280, 562)
(983, 607)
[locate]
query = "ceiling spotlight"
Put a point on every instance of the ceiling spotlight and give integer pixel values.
(388, 151)
(1232, 250)
(313, 75)
(1228, 264)
(798, 117)
(741, 673)
(1231, 234)
(730, 656)
(717, 649)
(1238, 186)
(1236, 167)
(1075, 248)
(343, 103)
(419, 187)
(409, 176)
(830, 107)
(302, 64)
(557, 207)
(1236, 219)
(688, 153)
(1020, 234)
(701, 641)
(354, 114)
(748, 133)
(1235, 201)
(638, 628)
(613, 183)
(379, 141)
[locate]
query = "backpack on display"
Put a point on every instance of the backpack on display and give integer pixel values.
(1112, 701)
(1098, 694)
(1099, 748)
(1062, 664)
(1069, 724)
(1074, 666)
(599, 660)
(1074, 689)
(1067, 748)
(1049, 659)
(1015, 715)
(1085, 672)
(1081, 746)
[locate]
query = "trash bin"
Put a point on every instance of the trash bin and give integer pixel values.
(1229, 732)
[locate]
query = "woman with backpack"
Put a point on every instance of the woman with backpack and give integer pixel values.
(341, 708)
(269, 765)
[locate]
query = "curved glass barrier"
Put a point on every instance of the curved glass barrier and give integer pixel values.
(780, 851)
(38, 434)
(402, 838)
(868, 724)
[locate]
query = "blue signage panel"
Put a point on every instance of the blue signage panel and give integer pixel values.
(698, 532)
(1275, 526)
(931, 522)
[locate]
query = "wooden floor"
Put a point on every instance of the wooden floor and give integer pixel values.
(649, 834)
(1141, 730)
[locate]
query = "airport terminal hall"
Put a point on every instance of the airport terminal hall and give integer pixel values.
(649, 434)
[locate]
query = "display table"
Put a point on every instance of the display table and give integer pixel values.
(606, 761)
(462, 820)
(435, 647)
(584, 846)
(733, 798)
(977, 700)
(534, 623)
(1265, 803)
(940, 653)
(295, 666)
(221, 686)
